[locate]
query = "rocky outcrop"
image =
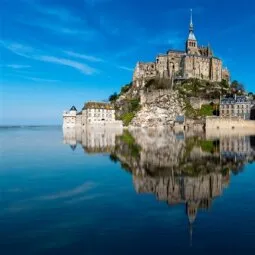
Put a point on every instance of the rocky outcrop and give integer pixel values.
(159, 109)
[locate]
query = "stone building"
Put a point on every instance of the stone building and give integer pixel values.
(93, 114)
(193, 62)
(69, 117)
(238, 106)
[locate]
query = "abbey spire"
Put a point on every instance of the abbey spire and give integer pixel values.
(191, 28)
(191, 22)
(191, 43)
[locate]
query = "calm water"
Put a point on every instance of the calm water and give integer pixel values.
(144, 192)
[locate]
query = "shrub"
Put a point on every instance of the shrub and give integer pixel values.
(113, 97)
(127, 118)
(206, 110)
(134, 105)
(125, 88)
(158, 83)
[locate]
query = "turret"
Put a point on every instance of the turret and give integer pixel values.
(73, 110)
(69, 118)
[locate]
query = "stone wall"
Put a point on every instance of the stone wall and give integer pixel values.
(150, 97)
(159, 109)
(196, 102)
(116, 124)
(229, 123)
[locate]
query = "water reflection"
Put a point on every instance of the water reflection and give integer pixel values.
(177, 168)
(92, 140)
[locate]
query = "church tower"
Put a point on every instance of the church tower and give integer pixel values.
(191, 43)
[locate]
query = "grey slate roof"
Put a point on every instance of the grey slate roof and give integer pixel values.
(237, 100)
(73, 108)
(192, 36)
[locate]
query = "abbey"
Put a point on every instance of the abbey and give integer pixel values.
(195, 62)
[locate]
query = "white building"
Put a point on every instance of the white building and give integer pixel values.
(93, 114)
(69, 118)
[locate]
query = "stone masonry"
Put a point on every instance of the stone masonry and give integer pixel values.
(159, 109)
(194, 62)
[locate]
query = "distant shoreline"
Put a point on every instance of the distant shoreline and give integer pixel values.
(27, 126)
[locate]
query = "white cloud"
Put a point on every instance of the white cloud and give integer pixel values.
(32, 53)
(59, 21)
(16, 66)
(95, 2)
(18, 49)
(67, 62)
(82, 56)
(40, 79)
(58, 28)
(60, 13)
(126, 68)
(172, 39)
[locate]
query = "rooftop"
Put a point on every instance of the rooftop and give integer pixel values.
(235, 100)
(73, 108)
(192, 36)
(98, 105)
(175, 51)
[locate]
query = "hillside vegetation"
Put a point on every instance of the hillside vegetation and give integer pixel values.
(127, 103)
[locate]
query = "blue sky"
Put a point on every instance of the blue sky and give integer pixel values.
(59, 53)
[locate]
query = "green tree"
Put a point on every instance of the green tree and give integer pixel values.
(250, 94)
(125, 88)
(113, 97)
(237, 86)
(195, 86)
(224, 86)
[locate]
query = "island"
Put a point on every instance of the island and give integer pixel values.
(181, 89)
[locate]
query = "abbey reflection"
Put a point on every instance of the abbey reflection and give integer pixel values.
(177, 169)
(185, 169)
